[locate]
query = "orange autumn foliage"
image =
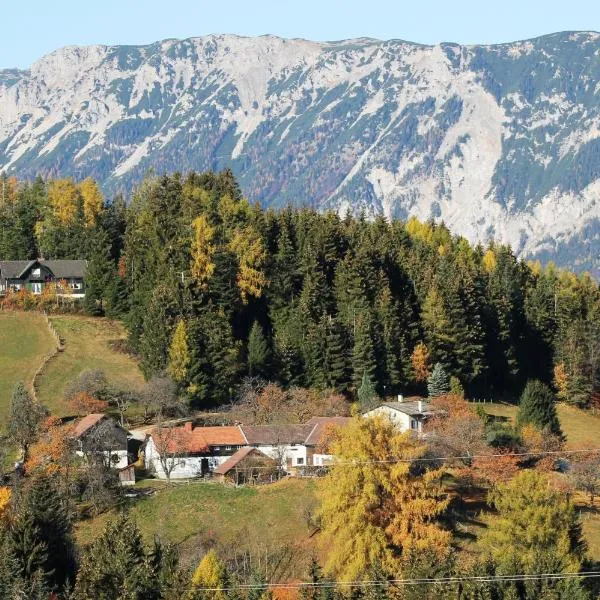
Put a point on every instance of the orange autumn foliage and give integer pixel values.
(420, 362)
(84, 404)
(498, 467)
(536, 440)
(52, 453)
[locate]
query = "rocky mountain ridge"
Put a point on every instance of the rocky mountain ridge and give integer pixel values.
(499, 141)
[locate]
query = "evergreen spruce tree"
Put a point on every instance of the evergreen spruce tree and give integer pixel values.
(260, 589)
(29, 551)
(24, 419)
(537, 408)
(116, 565)
(158, 323)
(100, 271)
(117, 298)
(52, 522)
(392, 342)
(258, 352)
(363, 354)
(438, 382)
(334, 366)
(284, 273)
(438, 328)
(214, 363)
(367, 396)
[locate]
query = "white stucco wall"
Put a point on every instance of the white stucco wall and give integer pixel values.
(186, 467)
(118, 458)
(286, 452)
(398, 418)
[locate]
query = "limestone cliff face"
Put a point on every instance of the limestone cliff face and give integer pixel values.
(498, 141)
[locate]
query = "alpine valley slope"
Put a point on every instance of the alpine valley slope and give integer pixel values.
(498, 141)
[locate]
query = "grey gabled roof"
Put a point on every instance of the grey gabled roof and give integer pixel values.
(66, 268)
(273, 435)
(62, 269)
(12, 269)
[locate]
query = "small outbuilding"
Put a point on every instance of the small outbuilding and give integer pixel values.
(249, 465)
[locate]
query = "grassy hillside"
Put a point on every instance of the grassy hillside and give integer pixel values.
(86, 347)
(580, 427)
(258, 520)
(24, 342)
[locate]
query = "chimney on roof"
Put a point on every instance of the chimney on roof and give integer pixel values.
(189, 426)
(420, 405)
(400, 398)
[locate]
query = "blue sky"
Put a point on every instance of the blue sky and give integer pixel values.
(32, 28)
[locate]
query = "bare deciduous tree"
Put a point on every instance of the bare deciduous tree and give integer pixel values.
(172, 444)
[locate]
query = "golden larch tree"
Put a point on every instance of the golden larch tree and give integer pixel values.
(420, 362)
(202, 265)
(250, 251)
(179, 353)
(210, 575)
(93, 201)
(374, 508)
(64, 198)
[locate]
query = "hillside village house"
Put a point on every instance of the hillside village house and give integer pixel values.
(202, 450)
(408, 414)
(99, 434)
(207, 448)
(34, 275)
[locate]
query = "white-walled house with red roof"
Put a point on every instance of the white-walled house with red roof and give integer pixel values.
(205, 449)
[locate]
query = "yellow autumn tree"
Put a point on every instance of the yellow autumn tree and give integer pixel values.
(373, 507)
(420, 362)
(8, 189)
(64, 198)
(489, 261)
(5, 496)
(561, 382)
(93, 201)
(250, 251)
(179, 353)
(210, 578)
(202, 265)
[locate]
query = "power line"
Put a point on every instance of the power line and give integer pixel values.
(357, 463)
(409, 582)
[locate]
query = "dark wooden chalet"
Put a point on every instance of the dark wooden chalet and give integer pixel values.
(34, 275)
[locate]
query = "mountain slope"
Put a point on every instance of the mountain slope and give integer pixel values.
(498, 141)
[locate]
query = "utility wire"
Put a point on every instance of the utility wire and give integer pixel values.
(355, 463)
(409, 582)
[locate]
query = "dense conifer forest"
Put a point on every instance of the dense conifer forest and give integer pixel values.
(212, 288)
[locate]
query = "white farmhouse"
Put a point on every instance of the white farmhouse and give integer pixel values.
(407, 415)
(189, 451)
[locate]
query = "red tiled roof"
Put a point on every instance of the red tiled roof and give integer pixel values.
(320, 426)
(202, 438)
(87, 423)
(237, 458)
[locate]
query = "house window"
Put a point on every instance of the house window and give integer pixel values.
(299, 461)
(414, 424)
(228, 447)
(36, 273)
(36, 287)
(75, 285)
